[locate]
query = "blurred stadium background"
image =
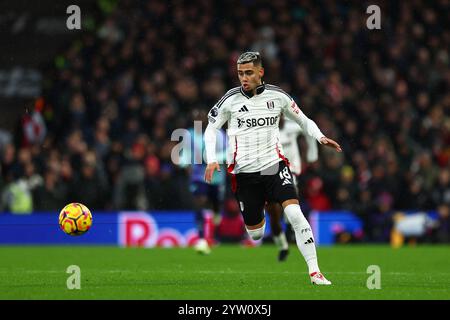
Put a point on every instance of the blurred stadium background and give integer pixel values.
(87, 115)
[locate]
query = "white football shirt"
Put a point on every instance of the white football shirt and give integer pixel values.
(253, 127)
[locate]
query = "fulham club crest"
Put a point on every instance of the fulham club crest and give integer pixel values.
(270, 105)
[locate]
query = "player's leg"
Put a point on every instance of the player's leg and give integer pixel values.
(285, 193)
(288, 231)
(305, 239)
(251, 199)
(256, 231)
(276, 214)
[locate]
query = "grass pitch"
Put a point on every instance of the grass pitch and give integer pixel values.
(229, 272)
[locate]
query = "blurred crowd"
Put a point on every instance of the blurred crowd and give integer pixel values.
(101, 132)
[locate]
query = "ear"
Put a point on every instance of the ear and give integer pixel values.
(261, 72)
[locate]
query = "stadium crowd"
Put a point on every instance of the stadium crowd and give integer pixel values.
(101, 132)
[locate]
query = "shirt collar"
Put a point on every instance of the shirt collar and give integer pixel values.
(259, 89)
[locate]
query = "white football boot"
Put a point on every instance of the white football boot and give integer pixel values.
(202, 246)
(319, 279)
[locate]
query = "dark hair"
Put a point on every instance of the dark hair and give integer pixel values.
(250, 56)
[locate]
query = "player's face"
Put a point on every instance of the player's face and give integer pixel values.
(250, 75)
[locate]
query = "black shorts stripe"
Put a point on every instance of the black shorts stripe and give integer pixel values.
(230, 93)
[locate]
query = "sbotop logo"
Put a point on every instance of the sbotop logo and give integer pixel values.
(257, 122)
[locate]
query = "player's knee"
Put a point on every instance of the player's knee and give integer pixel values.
(257, 234)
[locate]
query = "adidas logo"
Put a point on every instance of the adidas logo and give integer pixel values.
(310, 240)
(243, 109)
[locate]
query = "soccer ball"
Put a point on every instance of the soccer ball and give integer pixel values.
(75, 219)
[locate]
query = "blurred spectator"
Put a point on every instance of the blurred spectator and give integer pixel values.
(441, 192)
(231, 227)
(17, 197)
(331, 173)
(416, 197)
(442, 232)
(5, 139)
(129, 192)
(425, 171)
(266, 44)
(51, 194)
(152, 181)
(89, 186)
(346, 194)
(316, 196)
(381, 219)
(34, 128)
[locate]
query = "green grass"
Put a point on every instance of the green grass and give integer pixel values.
(230, 272)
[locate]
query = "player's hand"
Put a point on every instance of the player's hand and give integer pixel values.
(330, 143)
(210, 168)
